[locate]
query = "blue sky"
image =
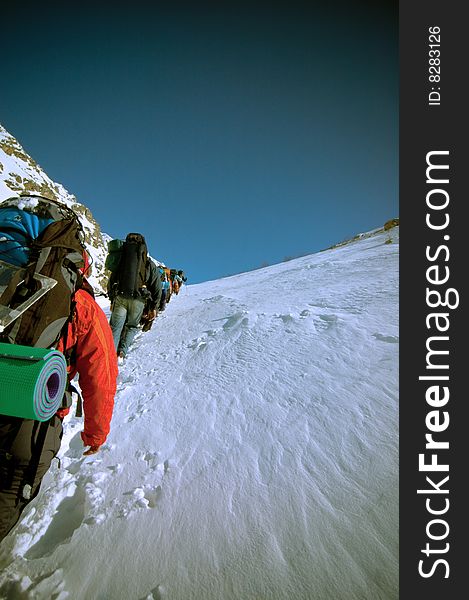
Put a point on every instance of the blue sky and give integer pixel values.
(231, 135)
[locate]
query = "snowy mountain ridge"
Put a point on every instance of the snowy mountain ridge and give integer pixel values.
(20, 173)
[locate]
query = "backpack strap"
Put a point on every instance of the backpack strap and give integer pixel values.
(33, 466)
(70, 353)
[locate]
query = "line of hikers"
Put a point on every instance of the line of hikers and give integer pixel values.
(137, 288)
(47, 302)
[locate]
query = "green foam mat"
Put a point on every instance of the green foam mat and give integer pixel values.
(32, 381)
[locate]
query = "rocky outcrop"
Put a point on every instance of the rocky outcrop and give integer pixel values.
(390, 224)
(20, 173)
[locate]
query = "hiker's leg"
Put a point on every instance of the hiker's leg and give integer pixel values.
(134, 314)
(163, 300)
(21, 465)
(117, 320)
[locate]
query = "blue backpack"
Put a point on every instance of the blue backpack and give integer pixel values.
(41, 259)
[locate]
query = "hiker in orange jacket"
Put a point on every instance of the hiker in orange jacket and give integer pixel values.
(169, 291)
(89, 344)
(175, 281)
(90, 339)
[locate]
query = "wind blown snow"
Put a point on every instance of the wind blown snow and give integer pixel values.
(253, 452)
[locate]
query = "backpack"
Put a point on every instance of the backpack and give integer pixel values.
(130, 274)
(42, 253)
(114, 249)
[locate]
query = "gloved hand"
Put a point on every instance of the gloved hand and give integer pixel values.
(151, 314)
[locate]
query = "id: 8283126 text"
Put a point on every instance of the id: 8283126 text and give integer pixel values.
(434, 65)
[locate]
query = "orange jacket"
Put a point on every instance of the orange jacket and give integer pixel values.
(168, 275)
(94, 359)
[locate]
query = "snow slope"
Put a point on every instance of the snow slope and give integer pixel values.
(253, 453)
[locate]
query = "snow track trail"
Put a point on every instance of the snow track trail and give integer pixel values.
(253, 452)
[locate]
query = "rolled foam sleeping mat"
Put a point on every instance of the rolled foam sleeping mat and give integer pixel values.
(32, 381)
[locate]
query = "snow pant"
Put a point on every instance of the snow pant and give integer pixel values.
(125, 318)
(27, 448)
(163, 300)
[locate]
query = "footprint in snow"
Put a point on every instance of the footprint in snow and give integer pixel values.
(58, 485)
(126, 377)
(238, 318)
(325, 322)
(152, 461)
(84, 507)
(155, 594)
(286, 318)
(197, 343)
(391, 339)
(140, 498)
(151, 458)
(114, 468)
(211, 332)
(68, 517)
(48, 585)
(137, 414)
(93, 485)
(235, 320)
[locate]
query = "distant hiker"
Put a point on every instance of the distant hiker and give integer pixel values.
(49, 238)
(174, 281)
(169, 287)
(178, 279)
(147, 319)
(166, 290)
(133, 283)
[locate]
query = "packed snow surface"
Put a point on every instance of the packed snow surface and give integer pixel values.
(253, 453)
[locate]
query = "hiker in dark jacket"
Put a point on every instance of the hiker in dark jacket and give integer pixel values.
(127, 309)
